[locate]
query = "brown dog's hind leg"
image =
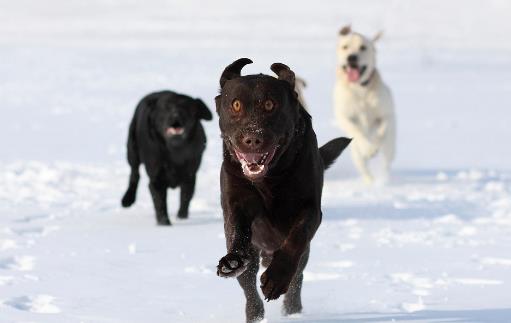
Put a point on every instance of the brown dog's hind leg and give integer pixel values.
(254, 307)
(293, 299)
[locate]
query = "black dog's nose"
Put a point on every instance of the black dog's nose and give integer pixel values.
(353, 59)
(252, 141)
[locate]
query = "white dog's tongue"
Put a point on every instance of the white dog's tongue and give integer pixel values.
(353, 74)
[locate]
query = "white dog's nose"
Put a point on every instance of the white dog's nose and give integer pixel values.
(353, 59)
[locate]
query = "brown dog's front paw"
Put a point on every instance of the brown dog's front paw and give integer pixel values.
(276, 279)
(272, 286)
(232, 265)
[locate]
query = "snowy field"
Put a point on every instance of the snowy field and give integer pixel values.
(434, 245)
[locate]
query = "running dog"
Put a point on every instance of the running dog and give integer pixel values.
(271, 182)
(166, 135)
(363, 104)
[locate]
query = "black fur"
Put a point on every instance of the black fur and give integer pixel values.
(332, 149)
(171, 158)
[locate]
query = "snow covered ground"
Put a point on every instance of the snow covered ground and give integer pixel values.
(432, 246)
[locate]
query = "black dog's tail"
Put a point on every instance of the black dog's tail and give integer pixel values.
(134, 161)
(332, 149)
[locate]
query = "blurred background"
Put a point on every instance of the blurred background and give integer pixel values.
(72, 72)
(72, 66)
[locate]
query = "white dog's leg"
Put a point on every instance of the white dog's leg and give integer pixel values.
(361, 164)
(388, 151)
(359, 137)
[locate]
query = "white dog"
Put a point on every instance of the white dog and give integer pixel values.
(363, 103)
(300, 86)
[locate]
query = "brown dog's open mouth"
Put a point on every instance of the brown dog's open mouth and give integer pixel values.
(255, 165)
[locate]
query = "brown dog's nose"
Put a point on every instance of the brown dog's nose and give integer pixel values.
(252, 141)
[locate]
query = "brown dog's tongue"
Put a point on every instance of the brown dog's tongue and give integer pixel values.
(251, 158)
(353, 74)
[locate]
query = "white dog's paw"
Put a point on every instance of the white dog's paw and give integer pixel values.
(368, 179)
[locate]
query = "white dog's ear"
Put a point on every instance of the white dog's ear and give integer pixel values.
(377, 36)
(345, 30)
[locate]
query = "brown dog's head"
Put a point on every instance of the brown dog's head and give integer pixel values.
(258, 116)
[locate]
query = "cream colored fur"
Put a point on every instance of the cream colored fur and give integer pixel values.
(365, 113)
(300, 86)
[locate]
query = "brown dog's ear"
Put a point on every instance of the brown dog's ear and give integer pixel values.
(233, 70)
(345, 30)
(284, 73)
(377, 36)
(202, 110)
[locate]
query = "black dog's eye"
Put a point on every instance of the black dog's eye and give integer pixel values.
(236, 106)
(269, 105)
(363, 48)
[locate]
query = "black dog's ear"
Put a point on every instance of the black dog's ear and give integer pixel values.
(284, 73)
(202, 110)
(233, 70)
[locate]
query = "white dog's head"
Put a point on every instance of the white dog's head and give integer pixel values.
(356, 56)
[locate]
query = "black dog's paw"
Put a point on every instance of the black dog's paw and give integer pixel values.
(128, 199)
(181, 214)
(231, 265)
(163, 221)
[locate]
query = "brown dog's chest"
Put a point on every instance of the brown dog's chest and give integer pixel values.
(265, 236)
(270, 229)
(282, 207)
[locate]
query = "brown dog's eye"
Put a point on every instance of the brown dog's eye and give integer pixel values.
(236, 106)
(269, 105)
(363, 48)
(345, 47)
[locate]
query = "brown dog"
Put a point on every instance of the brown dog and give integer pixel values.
(271, 183)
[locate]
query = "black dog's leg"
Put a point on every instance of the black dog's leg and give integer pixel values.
(159, 195)
(254, 308)
(187, 190)
(293, 299)
(134, 161)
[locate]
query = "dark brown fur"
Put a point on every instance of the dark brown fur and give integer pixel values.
(274, 215)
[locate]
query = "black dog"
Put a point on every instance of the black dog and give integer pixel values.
(271, 183)
(166, 135)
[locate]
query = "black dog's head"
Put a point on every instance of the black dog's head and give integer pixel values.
(258, 116)
(176, 116)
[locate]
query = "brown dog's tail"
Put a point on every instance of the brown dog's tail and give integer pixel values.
(332, 149)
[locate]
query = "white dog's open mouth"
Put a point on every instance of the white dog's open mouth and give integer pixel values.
(354, 72)
(255, 165)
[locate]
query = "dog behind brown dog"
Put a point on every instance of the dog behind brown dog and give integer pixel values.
(271, 184)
